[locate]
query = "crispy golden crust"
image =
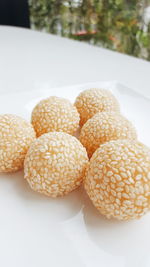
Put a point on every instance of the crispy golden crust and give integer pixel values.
(118, 179)
(55, 164)
(55, 114)
(91, 101)
(104, 127)
(16, 135)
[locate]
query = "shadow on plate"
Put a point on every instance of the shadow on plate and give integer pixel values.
(127, 239)
(63, 208)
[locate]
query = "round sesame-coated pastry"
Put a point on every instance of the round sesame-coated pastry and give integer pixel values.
(91, 101)
(16, 135)
(104, 127)
(55, 114)
(118, 179)
(55, 164)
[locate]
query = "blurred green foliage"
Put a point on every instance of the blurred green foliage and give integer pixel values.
(122, 25)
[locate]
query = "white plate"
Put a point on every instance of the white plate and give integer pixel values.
(39, 231)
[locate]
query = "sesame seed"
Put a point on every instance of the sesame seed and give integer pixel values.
(113, 180)
(125, 195)
(131, 180)
(118, 177)
(113, 193)
(118, 201)
(127, 202)
(123, 174)
(139, 169)
(138, 177)
(109, 173)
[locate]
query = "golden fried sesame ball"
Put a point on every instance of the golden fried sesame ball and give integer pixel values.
(104, 127)
(16, 135)
(55, 164)
(91, 101)
(118, 179)
(55, 114)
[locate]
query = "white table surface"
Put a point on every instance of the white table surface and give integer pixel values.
(31, 60)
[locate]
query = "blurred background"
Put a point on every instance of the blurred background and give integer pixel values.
(121, 25)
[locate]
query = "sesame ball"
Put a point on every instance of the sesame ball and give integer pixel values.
(55, 114)
(104, 127)
(91, 101)
(55, 164)
(118, 179)
(16, 135)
